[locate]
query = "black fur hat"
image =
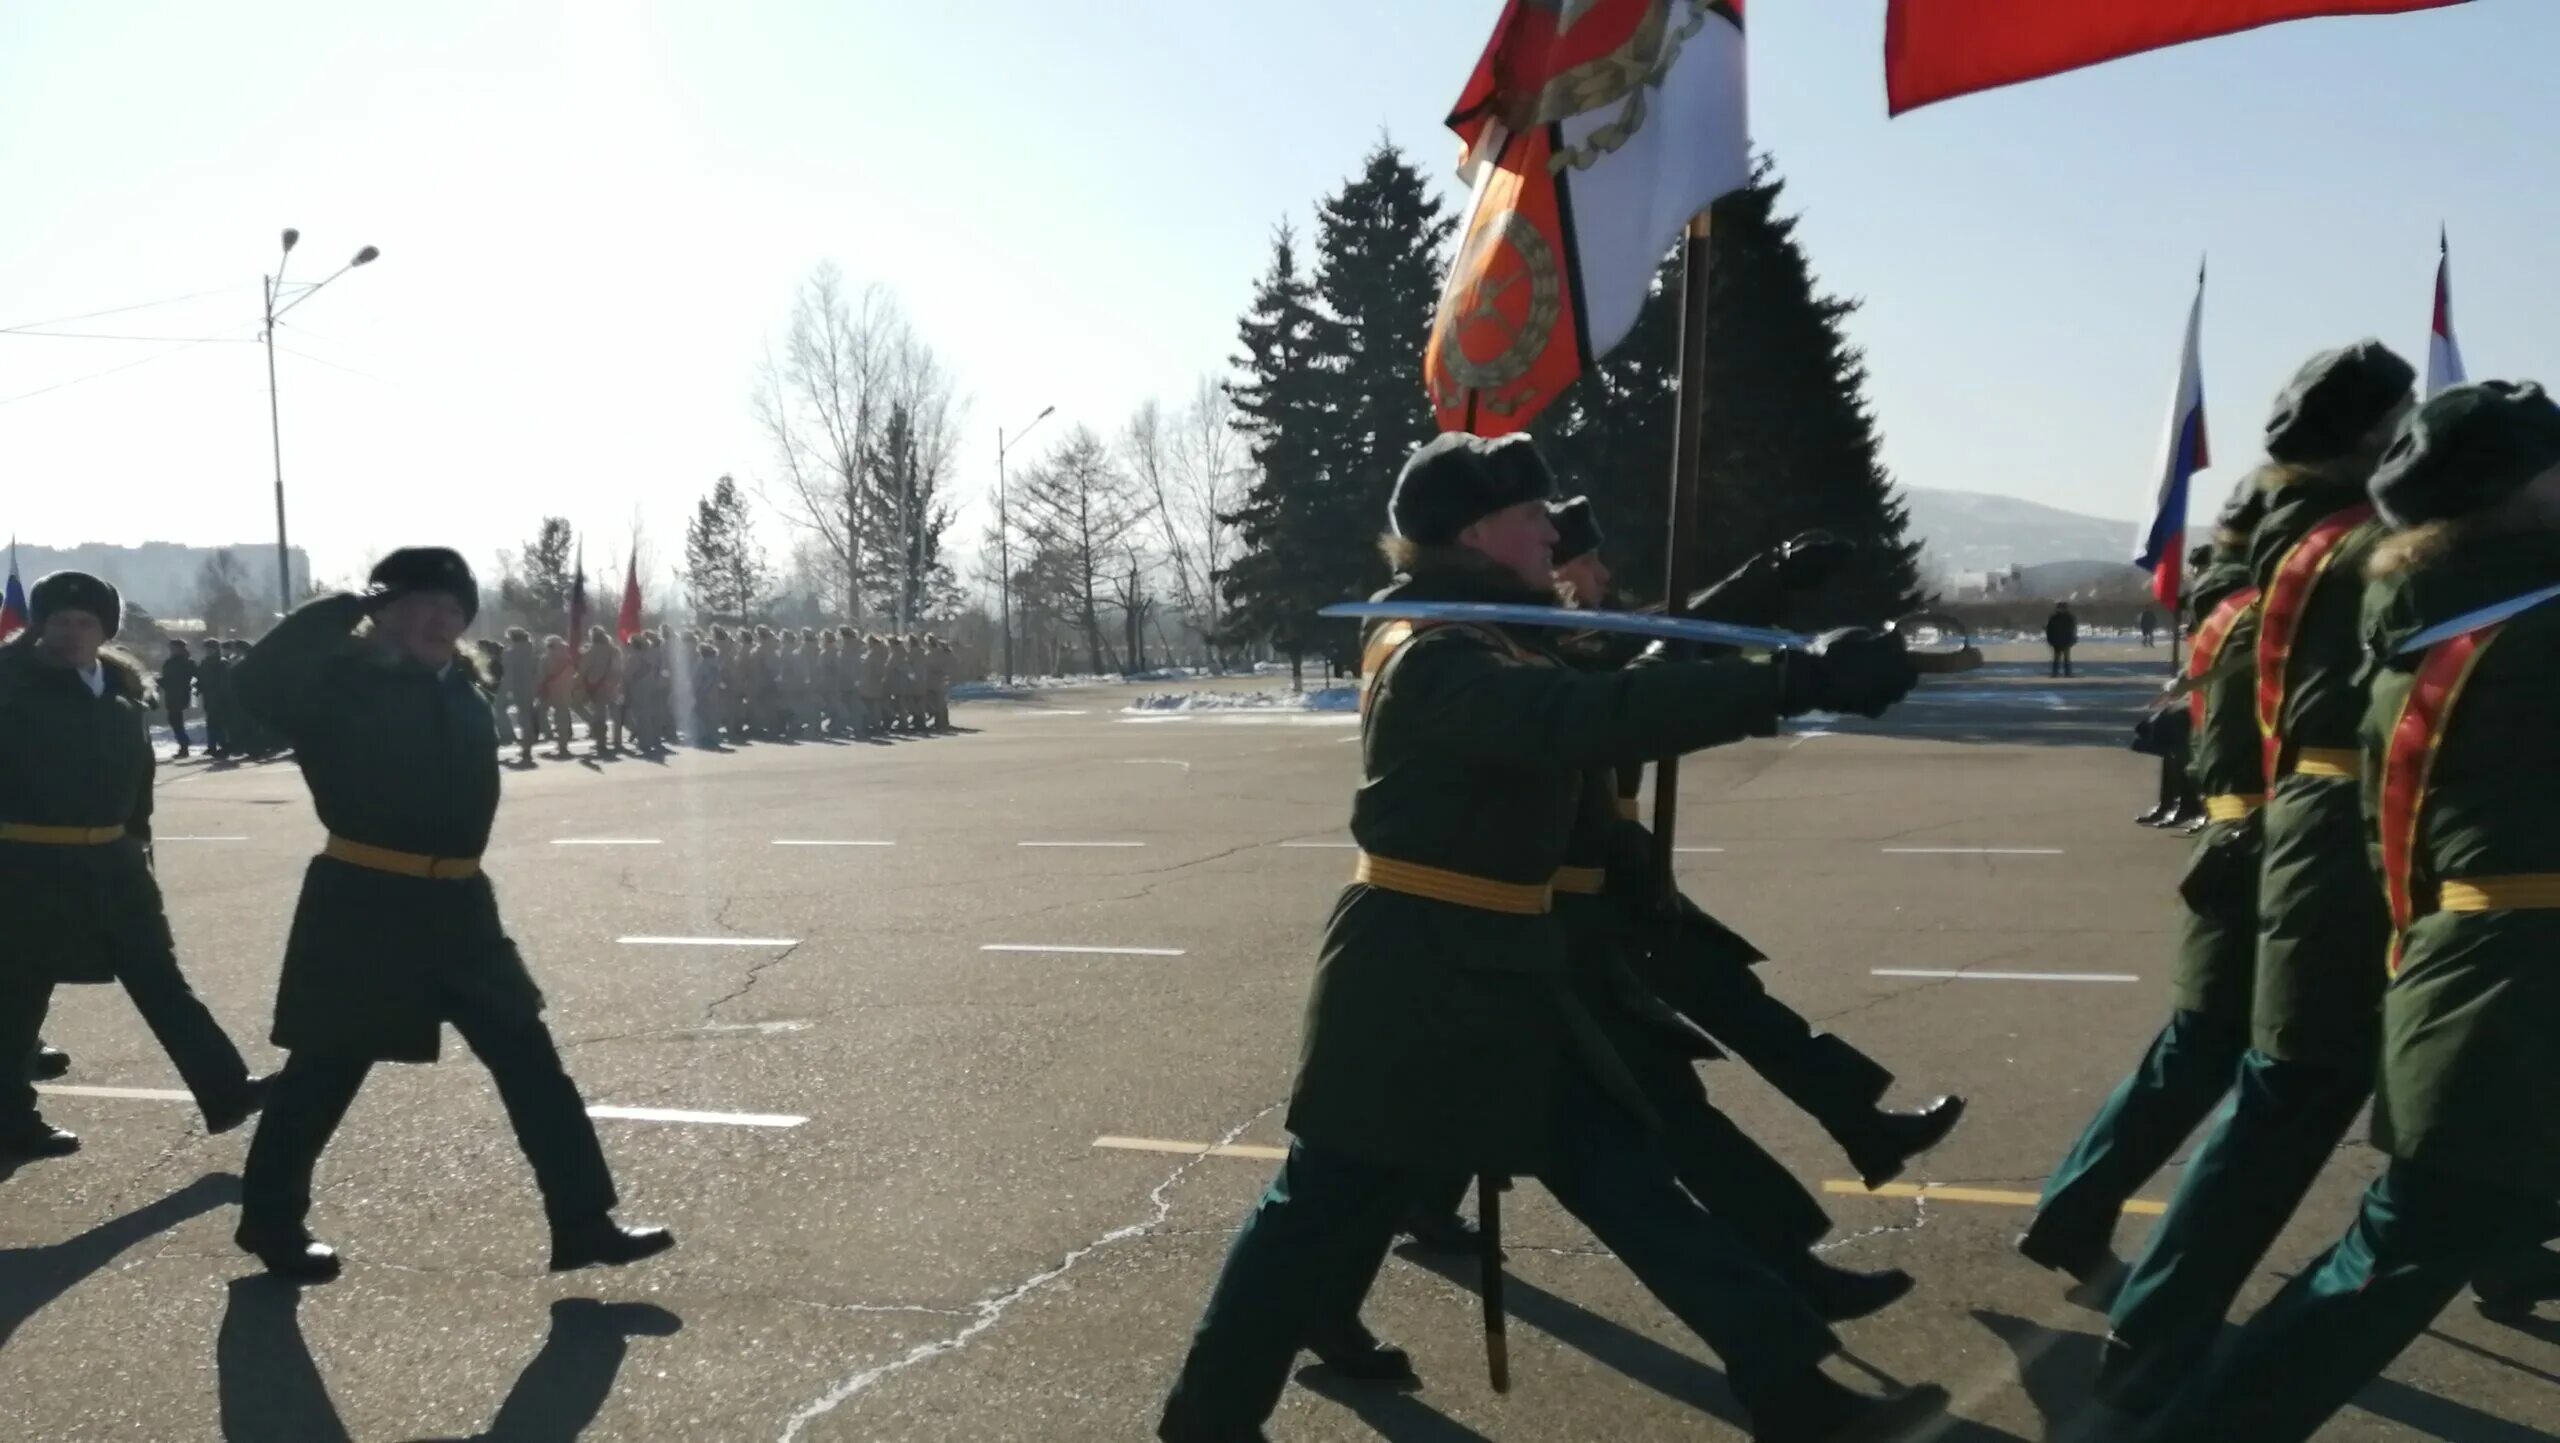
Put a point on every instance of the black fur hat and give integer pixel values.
(430, 568)
(75, 591)
(1577, 530)
(2466, 450)
(1457, 479)
(2336, 400)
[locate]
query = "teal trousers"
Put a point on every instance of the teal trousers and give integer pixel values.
(2419, 1236)
(2278, 1130)
(2188, 1068)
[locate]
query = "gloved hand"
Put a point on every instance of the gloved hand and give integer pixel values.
(1756, 591)
(1850, 670)
(1809, 558)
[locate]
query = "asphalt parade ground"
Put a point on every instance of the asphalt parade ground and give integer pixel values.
(954, 1062)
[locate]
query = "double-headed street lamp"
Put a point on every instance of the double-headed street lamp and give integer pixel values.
(275, 291)
(1004, 536)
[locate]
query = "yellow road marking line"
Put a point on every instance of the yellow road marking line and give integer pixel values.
(1993, 1197)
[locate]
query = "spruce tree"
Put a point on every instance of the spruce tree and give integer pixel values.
(1381, 245)
(1790, 442)
(724, 565)
(1281, 403)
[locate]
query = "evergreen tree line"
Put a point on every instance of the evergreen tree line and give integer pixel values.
(1329, 401)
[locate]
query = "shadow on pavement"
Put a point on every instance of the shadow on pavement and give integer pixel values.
(1396, 1417)
(1673, 1374)
(2441, 1417)
(272, 1389)
(31, 1278)
(2054, 1366)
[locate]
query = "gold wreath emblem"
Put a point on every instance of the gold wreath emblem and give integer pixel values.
(1502, 254)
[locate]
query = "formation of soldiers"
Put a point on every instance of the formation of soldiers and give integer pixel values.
(2370, 915)
(717, 685)
(1507, 989)
(230, 731)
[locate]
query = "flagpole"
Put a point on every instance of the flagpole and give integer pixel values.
(1680, 563)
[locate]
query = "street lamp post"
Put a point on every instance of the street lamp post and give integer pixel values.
(1004, 538)
(274, 291)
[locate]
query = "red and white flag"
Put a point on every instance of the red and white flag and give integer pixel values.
(1939, 49)
(627, 624)
(1593, 131)
(2444, 353)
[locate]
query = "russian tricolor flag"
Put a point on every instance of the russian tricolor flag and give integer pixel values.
(2164, 541)
(2444, 354)
(13, 601)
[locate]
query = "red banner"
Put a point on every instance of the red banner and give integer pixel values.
(1939, 49)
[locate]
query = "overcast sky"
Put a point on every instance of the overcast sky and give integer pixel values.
(593, 212)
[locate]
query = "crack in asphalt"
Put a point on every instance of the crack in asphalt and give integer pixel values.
(990, 1310)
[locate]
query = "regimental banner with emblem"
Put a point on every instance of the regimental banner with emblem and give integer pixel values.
(1593, 131)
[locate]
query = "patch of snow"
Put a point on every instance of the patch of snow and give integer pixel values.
(1326, 699)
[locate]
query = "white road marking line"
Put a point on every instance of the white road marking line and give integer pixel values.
(708, 941)
(1192, 1149)
(715, 1119)
(1972, 851)
(158, 839)
(1084, 951)
(825, 842)
(1154, 762)
(1319, 844)
(1046, 712)
(2006, 976)
(627, 1114)
(1691, 850)
(1079, 844)
(605, 841)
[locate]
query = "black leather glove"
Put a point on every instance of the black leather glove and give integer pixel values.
(1810, 558)
(1850, 670)
(1756, 591)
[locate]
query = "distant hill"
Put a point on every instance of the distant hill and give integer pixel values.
(1971, 531)
(160, 576)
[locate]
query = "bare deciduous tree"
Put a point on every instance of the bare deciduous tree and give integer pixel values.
(820, 403)
(1080, 514)
(1189, 470)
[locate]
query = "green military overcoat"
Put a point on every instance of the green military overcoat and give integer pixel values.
(396, 756)
(75, 760)
(2216, 967)
(1434, 1031)
(2471, 1027)
(2322, 926)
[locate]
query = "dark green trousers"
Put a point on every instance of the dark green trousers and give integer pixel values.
(2419, 1236)
(1324, 1224)
(313, 1092)
(2188, 1068)
(1832, 1082)
(179, 1021)
(2283, 1122)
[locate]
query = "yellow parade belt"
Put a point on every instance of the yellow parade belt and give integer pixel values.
(401, 864)
(1524, 899)
(2234, 806)
(2328, 762)
(2523, 892)
(1580, 881)
(60, 836)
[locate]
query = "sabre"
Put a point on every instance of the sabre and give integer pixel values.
(1497, 1344)
(1640, 623)
(2471, 621)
